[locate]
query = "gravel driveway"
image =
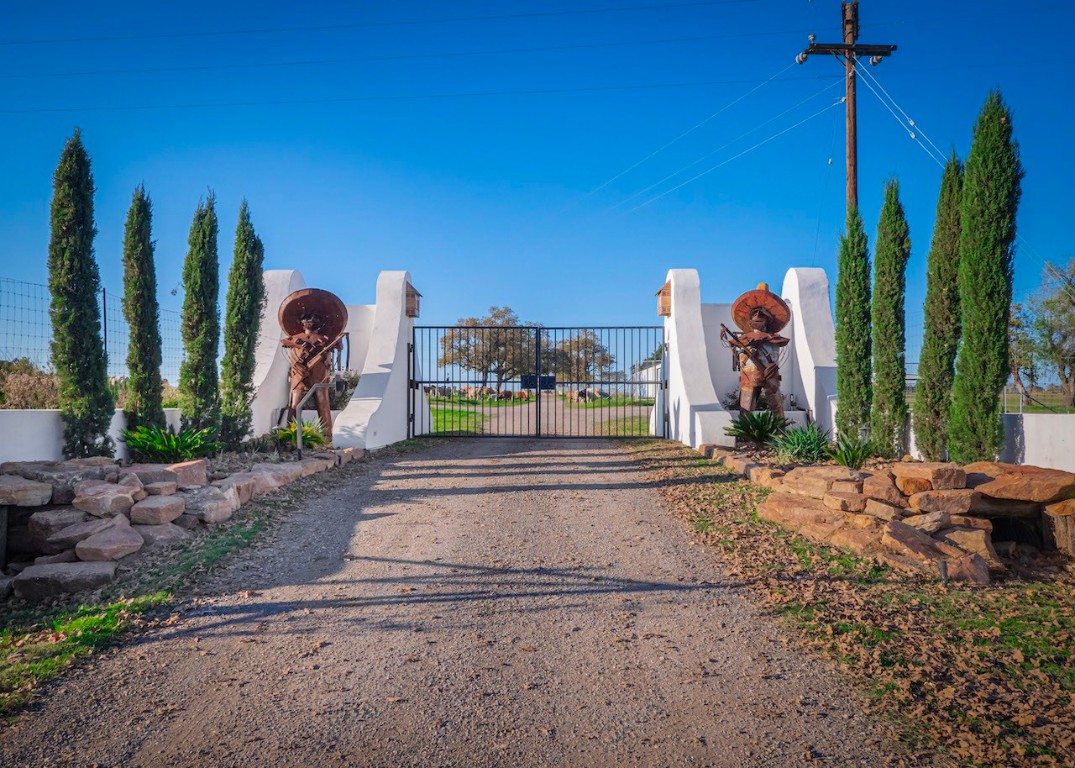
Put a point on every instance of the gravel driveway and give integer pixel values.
(479, 603)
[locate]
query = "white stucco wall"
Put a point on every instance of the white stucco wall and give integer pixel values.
(377, 413)
(1041, 439)
(359, 330)
(37, 435)
(695, 414)
(719, 357)
(810, 371)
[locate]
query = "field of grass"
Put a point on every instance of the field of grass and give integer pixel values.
(439, 402)
(632, 426)
(447, 421)
(1039, 402)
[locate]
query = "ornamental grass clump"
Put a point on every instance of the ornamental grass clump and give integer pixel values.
(802, 445)
(851, 452)
(313, 434)
(163, 446)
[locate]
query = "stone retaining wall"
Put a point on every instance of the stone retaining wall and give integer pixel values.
(934, 519)
(65, 525)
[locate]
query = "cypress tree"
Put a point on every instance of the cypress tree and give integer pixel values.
(936, 366)
(888, 411)
(853, 388)
(991, 190)
(199, 402)
(242, 320)
(144, 403)
(78, 352)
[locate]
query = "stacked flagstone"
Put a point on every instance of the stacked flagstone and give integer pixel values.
(77, 519)
(918, 517)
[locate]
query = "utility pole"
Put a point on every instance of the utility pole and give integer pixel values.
(850, 51)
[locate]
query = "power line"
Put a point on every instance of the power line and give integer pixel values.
(367, 24)
(389, 97)
(761, 143)
(685, 133)
(727, 144)
(394, 57)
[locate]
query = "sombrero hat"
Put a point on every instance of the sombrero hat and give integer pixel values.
(313, 301)
(761, 298)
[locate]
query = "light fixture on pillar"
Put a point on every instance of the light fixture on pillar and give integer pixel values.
(664, 300)
(414, 300)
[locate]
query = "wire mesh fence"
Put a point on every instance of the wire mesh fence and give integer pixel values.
(26, 330)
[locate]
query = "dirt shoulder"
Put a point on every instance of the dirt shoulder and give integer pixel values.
(482, 602)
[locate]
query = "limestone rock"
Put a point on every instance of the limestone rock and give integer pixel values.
(930, 522)
(974, 541)
(162, 488)
(62, 476)
(45, 523)
(845, 502)
(41, 582)
(67, 556)
(210, 504)
(187, 522)
(110, 544)
(1059, 526)
(986, 506)
(164, 535)
(942, 476)
(910, 542)
(103, 499)
(70, 536)
(883, 511)
(157, 510)
(966, 521)
(816, 481)
(1021, 482)
(130, 480)
(859, 538)
(153, 473)
(17, 491)
(244, 484)
(190, 474)
(958, 502)
(846, 486)
(331, 456)
(969, 568)
(909, 486)
(765, 476)
(881, 486)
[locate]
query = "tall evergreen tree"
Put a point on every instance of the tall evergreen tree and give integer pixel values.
(78, 352)
(936, 366)
(199, 401)
(888, 411)
(991, 190)
(853, 388)
(144, 401)
(242, 320)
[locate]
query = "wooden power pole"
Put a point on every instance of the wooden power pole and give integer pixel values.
(850, 51)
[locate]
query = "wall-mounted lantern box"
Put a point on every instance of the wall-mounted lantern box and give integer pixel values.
(664, 300)
(414, 299)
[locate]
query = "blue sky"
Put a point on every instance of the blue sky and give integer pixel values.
(493, 148)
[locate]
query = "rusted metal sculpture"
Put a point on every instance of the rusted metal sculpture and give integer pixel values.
(315, 322)
(760, 315)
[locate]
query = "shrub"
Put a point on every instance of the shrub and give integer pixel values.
(802, 445)
(33, 389)
(851, 452)
(757, 427)
(156, 445)
(313, 435)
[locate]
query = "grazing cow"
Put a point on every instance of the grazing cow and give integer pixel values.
(522, 394)
(504, 394)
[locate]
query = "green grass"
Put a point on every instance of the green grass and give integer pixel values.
(632, 426)
(454, 400)
(616, 401)
(1043, 402)
(29, 657)
(448, 421)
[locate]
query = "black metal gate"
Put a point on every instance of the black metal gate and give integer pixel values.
(533, 381)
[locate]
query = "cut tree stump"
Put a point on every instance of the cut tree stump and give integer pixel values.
(1058, 522)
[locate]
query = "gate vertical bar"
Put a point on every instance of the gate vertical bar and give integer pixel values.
(537, 367)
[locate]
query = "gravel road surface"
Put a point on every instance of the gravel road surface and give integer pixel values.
(479, 603)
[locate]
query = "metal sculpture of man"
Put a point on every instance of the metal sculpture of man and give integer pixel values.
(314, 321)
(760, 315)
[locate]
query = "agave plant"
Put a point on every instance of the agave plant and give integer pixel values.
(313, 434)
(802, 445)
(157, 445)
(756, 427)
(851, 452)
